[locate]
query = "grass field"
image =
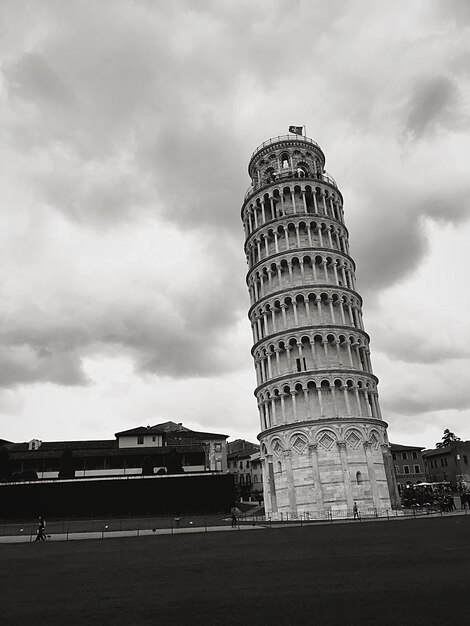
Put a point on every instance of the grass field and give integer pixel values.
(409, 572)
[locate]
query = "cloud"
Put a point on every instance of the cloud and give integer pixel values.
(128, 129)
(433, 104)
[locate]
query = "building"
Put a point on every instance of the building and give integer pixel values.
(323, 441)
(408, 463)
(243, 461)
(451, 463)
(166, 447)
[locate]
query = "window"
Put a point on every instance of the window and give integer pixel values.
(404, 456)
(359, 478)
(417, 469)
(397, 470)
(248, 463)
(140, 440)
(301, 364)
(242, 480)
(414, 455)
(406, 469)
(241, 464)
(154, 438)
(285, 160)
(465, 459)
(394, 456)
(218, 447)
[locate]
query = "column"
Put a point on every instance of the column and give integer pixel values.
(332, 313)
(307, 310)
(307, 403)
(294, 208)
(313, 450)
(346, 475)
(283, 406)
(315, 202)
(278, 360)
(358, 399)
(309, 235)
(372, 476)
(294, 306)
(320, 316)
(346, 400)
(320, 402)
(270, 483)
(328, 230)
(273, 319)
(293, 394)
(284, 315)
(304, 201)
(290, 482)
(273, 411)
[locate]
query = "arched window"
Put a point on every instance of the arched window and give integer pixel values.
(284, 160)
(279, 466)
(359, 478)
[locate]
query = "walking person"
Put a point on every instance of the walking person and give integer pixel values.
(41, 536)
(233, 514)
(355, 511)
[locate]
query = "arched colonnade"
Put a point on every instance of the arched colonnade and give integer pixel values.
(287, 271)
(291, 199)
(315, 399)
(305, 309)
(294, 235)
(316, 351)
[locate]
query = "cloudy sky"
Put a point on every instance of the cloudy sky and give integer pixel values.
(126, 129)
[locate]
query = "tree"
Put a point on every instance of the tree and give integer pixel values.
(174, 463)
(4, 463)
(67, 464)
(447, 438)
(148, 466)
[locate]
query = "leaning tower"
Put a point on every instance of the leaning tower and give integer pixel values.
(323, 441)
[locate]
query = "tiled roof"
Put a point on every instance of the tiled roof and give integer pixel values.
(462, 445)
(172, 431)
(399, 446)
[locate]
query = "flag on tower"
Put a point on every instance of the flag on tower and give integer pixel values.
(297, 130)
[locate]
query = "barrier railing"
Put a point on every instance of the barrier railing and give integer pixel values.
(291, 175)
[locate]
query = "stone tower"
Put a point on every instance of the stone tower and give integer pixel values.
(323, 442)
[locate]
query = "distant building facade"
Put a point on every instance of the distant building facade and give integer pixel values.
(451, 463)
(244, 462)
(167, 447)
(408, 463)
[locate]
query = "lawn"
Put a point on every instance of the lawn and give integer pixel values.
(407, 572)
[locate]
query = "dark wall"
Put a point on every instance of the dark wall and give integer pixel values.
(149, 495)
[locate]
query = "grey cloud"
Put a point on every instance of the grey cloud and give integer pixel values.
(34, 80)
(410, 348)
(387, 242)
(164, 332)
(26, 364)
(433, 103)
(416, 404)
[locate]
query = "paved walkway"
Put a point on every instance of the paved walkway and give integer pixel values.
(243, 526)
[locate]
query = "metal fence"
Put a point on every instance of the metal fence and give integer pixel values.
(69, 529)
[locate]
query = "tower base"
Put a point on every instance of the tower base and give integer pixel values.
(316, 466)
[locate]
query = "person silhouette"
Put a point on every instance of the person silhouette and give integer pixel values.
(41, 529)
